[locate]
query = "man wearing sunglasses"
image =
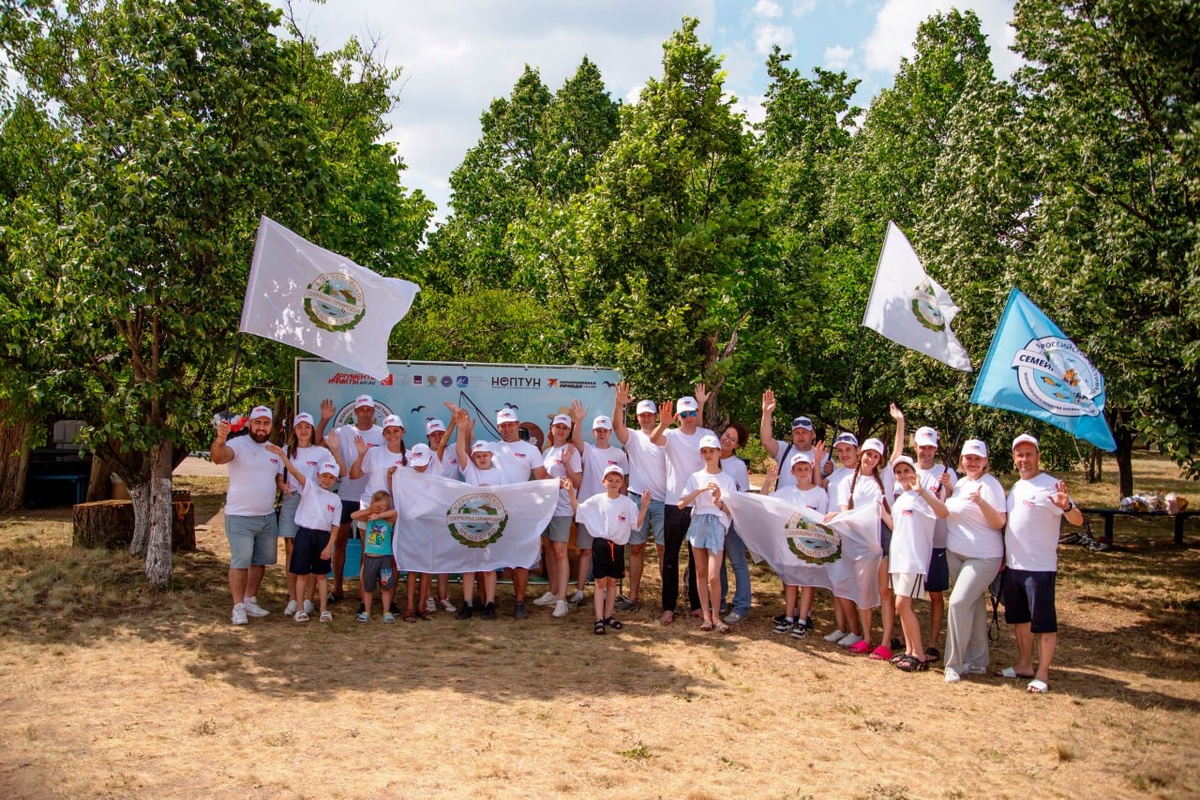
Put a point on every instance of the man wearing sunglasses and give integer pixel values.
(803, 435)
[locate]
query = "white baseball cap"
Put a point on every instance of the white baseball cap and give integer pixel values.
(709, 442)
(392, 421)
(329, 468)
(420, 455)
(646, 407)
(261, 411)
(801, 458)
(506, 415)
(481, 447)
(846, 438)
(561, 419)
(802, 422)
(602, 423)
(363, 401)
(926, 437)
(975, 447)
(303, 416)
(874, 444)
(904, 460)
(434, 425)
(612, 469)
(687, 403)
(1025, 437)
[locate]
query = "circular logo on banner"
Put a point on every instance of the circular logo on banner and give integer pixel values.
(334, 301)
(925, 307)
(812, 542)
(1054, 375)
(477, 520)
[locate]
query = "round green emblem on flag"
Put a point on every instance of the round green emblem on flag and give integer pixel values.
(477, 520)
(812, 542)
(925, 307)
(335, 302)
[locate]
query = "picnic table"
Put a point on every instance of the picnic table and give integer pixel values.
(1110, 513)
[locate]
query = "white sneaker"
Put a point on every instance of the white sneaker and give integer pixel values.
(430, 605)
(238, 617)
(548, 599)
(952, 676)
(849, 640)
(561, 608)
(308, 606)
(834, 637)
(254, 609)
(447, 606)
(576, 599)
(290, 609)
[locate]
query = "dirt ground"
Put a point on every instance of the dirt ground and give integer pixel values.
(110, 690)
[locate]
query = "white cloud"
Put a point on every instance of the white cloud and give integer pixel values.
(802, 7)
(765, 36)
(767, 9)
(837, 57)
(896, 29)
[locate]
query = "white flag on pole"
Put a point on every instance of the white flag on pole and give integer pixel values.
(449, 526)
(841, 555)
(303, 295)
(911, 308)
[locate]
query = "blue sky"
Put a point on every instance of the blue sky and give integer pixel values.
(458, 55)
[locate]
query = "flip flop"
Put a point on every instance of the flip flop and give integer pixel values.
(722, 627)
(706, 626)
(667, 618)
(1012, 674)
(1037, 687)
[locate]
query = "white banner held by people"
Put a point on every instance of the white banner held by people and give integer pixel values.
(841, 555)
(911, 308)
(303, 295)
(448, 526)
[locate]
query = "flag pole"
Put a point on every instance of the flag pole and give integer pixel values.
(237, 350)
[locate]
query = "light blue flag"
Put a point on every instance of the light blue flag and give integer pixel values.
(1034, 369)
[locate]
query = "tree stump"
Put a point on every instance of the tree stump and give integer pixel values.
(109, 523)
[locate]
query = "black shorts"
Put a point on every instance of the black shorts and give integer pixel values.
(1029, 598)
(608, 560)
(885, 539)
(348, 508)
(938, 577)
(306, 552)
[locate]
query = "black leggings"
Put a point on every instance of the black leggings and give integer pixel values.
(676, 524)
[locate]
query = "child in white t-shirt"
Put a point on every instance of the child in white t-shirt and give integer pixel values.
(704, 491)
(913, 514)
(478, 469)
(317, 519)
(803, 494)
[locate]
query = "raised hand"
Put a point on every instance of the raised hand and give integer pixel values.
(222, 430)
(578, 412)
(326, 409)
(331, 440)
(667, 410)
(1060, 497)
(623, 397)
(360, 444)
(701, 394)
(768, 401)
(896, 413)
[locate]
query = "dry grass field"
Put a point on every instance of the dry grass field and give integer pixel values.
(110, 690)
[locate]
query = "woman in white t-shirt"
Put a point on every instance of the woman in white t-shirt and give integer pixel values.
(305, 457)
(562, 461)
(913, 514)
(975, 553)
(872, 482)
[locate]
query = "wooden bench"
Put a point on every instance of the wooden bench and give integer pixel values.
(1110, 513)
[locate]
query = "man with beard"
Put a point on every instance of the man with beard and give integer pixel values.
(250, 522)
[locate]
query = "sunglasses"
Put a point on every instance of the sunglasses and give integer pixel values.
(686, 414)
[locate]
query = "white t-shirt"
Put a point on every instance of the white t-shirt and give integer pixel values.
(307, 460)
(375, 466)
(912, 535)
(552, 459)
(647, 465)
(735, 468)
(683, 458)
(517, 460)
(251, 479)
(319, 509)
(1031, 538)
(930, 478)
(815, 498)
(447, 465)
(836, 478)
(967, 531)
(866, 490)
(783, 456)
(608, 518)
(594, 462)
(351, 489)
(703, 504)
(478, 477)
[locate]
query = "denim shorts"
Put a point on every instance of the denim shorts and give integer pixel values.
(253, 541)
(655, 521)
(706, 531)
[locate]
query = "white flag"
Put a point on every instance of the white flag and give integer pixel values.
(841, 555)
(308, 297)
(911, 308)
(449, 526)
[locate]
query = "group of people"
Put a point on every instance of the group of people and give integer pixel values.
(667, 478)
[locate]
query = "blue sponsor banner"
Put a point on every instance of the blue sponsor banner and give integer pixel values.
(416, 391)
(1034, 369)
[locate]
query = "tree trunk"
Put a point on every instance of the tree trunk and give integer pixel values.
(140, 495)
(158, 549)
(100, 481)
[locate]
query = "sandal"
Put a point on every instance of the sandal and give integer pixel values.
(1012, 674)
(722, 628)
(667, 618)
(598, 627)
(614, 623)
(933, 654)
(896, 659)
(706, 625)
(410, 616)
(1037, 687)
(300, 617)
(911, 663)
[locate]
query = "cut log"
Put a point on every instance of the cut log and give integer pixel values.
(109, 523)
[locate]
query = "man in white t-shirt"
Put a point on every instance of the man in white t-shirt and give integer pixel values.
(250, 522)
(350, 489)
(803, 435)
(596, 459)
(647, 473)
(682, 448)
(1036, 505)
